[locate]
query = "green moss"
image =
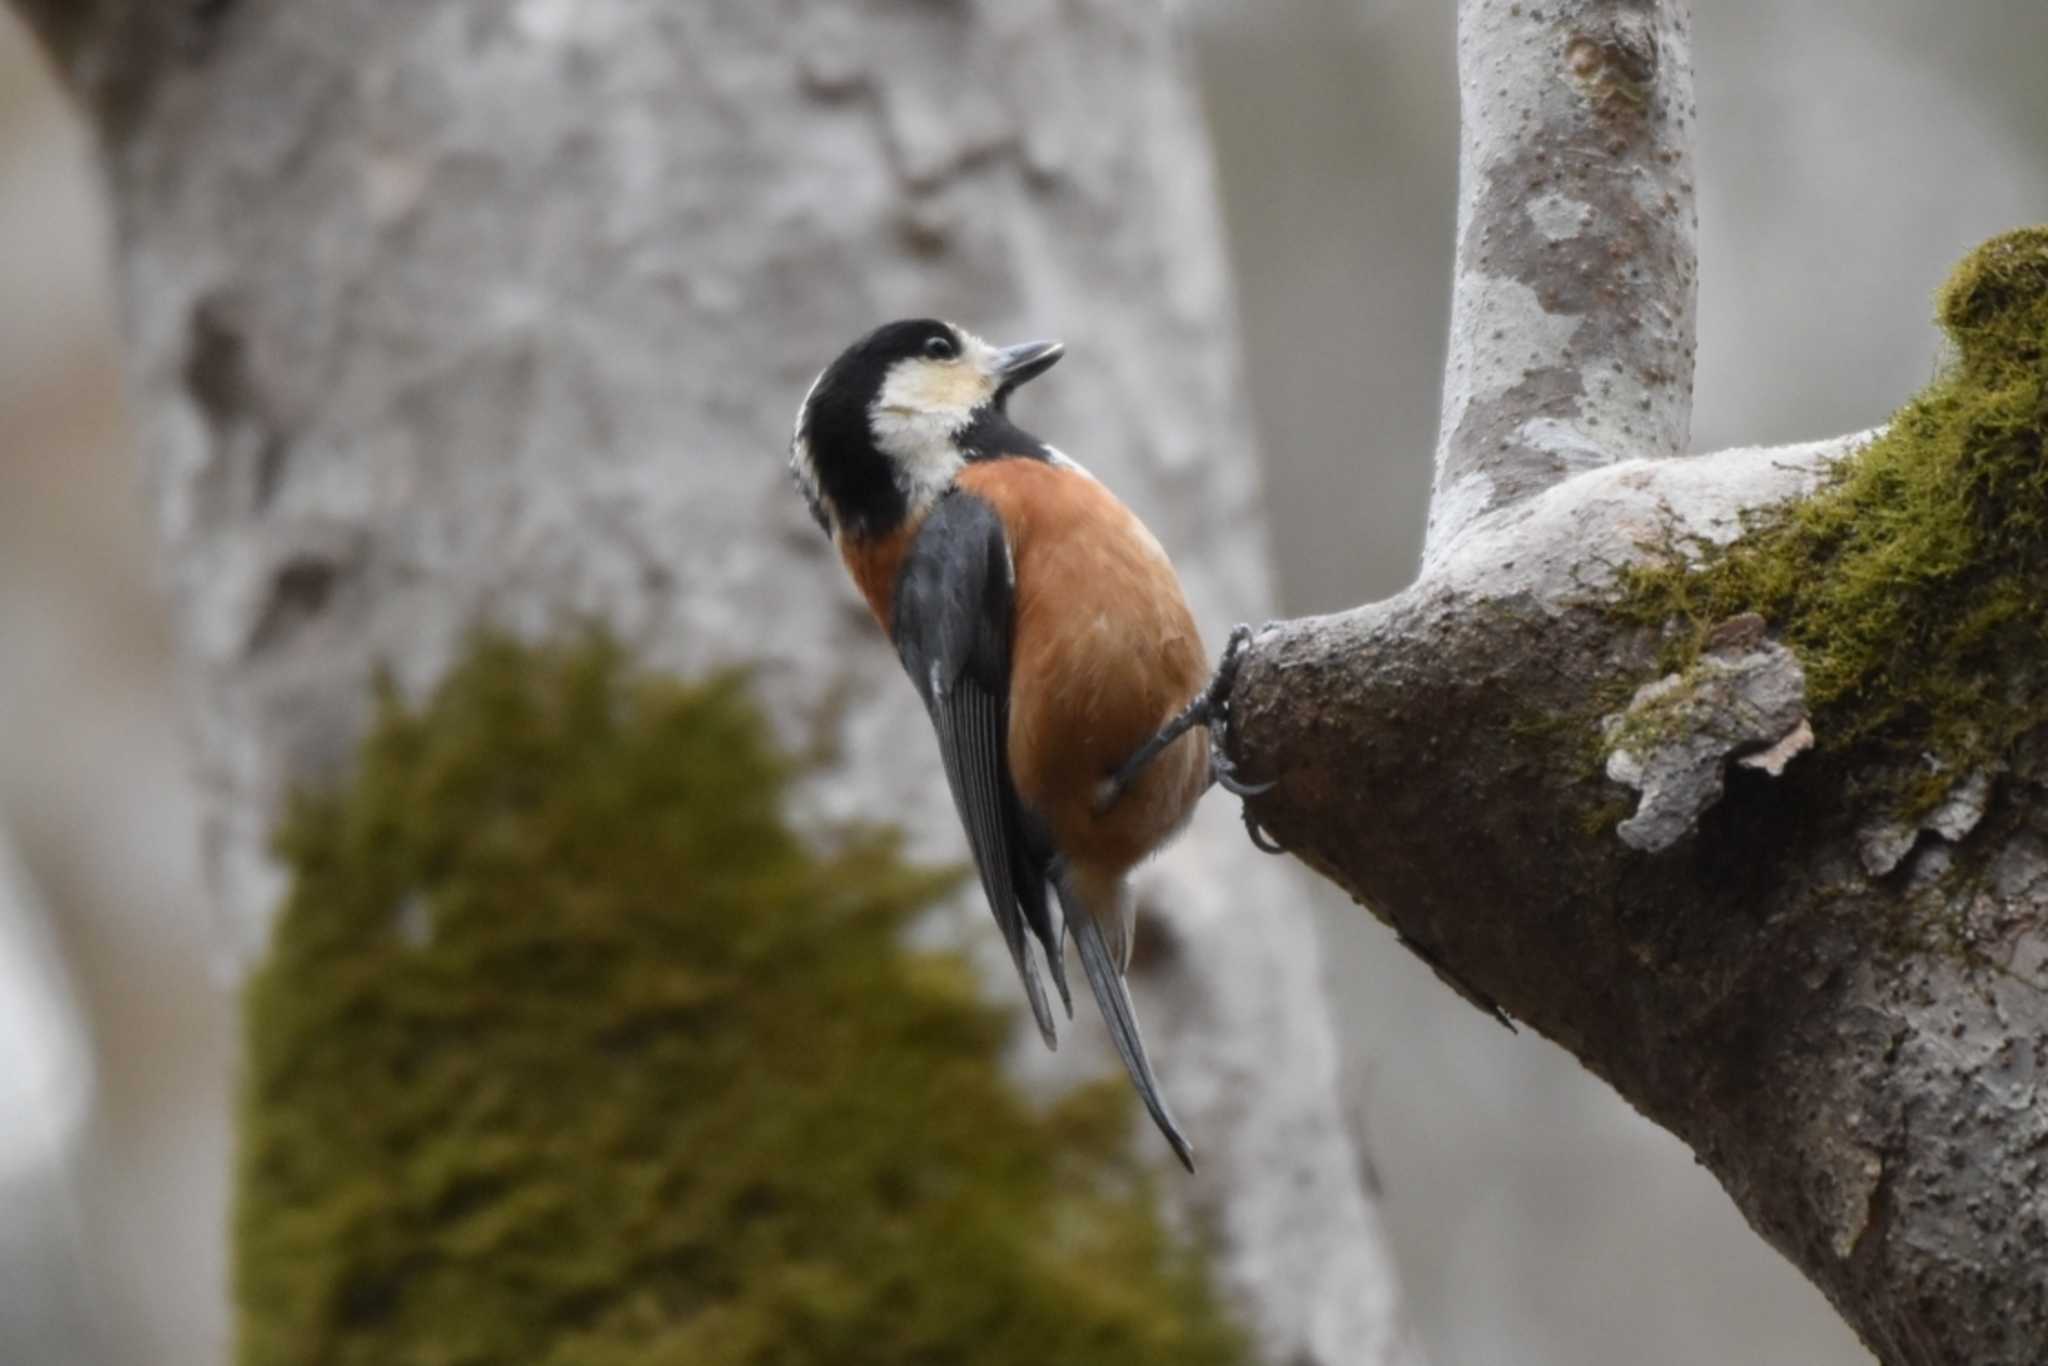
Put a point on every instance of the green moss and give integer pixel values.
(568, 1051)
(1914, 585)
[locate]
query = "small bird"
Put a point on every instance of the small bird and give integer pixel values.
(1046, 631)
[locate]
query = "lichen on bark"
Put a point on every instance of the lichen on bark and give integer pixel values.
(1913, 585)
(568, 1050)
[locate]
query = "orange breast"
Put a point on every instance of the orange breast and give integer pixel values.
(1105, 652)
(874, 563)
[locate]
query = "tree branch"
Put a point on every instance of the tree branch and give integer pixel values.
(1572, 316)
(1839, 1008)
(1827, 973)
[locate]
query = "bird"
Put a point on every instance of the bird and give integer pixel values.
(1047, 634)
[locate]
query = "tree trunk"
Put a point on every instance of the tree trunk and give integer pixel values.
(444, 313)
(1570, 763)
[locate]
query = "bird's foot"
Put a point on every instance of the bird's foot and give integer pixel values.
(1210, 708)
(1222, 770)
(1223, 773)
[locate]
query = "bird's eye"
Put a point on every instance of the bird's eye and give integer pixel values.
(941, 347)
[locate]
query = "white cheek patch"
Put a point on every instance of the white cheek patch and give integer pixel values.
(922, 407)
(935, 386)
(921, 447)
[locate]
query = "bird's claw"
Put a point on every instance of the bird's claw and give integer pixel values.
(1222, 771)
(1224, 774)
(1261, 841)
(1211, 708)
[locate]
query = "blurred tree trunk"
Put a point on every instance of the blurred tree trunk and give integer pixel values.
(464, 311)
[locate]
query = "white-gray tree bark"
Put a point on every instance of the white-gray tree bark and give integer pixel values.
(1868, 1094)
(477, 311)
(1573, 317)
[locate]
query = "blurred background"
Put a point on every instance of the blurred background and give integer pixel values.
(1851, 151)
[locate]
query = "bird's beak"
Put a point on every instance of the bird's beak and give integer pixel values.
(1015, 364)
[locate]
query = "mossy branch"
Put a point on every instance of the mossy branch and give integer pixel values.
(1914, 585)
(1815, 950)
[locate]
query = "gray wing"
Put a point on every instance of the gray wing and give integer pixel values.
(951, 623)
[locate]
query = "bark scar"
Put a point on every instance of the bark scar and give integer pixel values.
(1745, 699)
(1615, 69)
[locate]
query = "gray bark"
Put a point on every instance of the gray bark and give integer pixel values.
(1572, 316)
(439, 313)
(1865, 1090)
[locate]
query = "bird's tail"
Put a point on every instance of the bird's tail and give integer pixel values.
(1104, 965)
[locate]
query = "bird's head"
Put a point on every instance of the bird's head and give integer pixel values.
(889, 423)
